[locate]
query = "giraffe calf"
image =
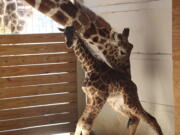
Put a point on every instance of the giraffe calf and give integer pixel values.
(103, 84)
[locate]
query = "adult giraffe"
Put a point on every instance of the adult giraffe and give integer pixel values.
(103, 42)
(12, 19)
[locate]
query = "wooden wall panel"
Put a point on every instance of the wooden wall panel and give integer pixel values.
(36, 121)
(31, 38)
(38, 90)
(176, 58)
(40, 69)
(38, 111)
(37, 100)
(46, 130)
(33, 49)
(36, 80)
(36, 59)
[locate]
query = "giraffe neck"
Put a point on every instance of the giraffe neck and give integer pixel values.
(88, 62)
(91, 27)
(62, 11)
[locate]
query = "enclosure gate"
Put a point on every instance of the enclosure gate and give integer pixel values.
(37, 85)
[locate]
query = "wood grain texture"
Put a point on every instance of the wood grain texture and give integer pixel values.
(31, 38)
(37, 121)
(46, 130)
(37, 85)
(33, 48)
(37, 90)
(37, 59)
(37, 69)
(177, 94)
(34, 80)
(176, 58)
(37, 100)
(176, 3)
(176, 33)
(37, 111)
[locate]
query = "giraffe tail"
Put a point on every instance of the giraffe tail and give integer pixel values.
(150, 120)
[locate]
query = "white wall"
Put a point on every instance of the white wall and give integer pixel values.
(151, 33)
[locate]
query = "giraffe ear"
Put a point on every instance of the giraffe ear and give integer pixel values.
(125, 33)
(117, 36)
(62, 30)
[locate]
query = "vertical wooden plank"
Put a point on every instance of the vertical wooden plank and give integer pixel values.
(176, 53)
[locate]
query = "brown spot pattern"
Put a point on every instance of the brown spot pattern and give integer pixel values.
(104, 52)
(95, 39)
(91, 31)
(76, 25)
(101, 23)
(14, 15)
(102, 41)
(92, 43)
(6, 20)
(19, 28)
(13, 28)
(31, 2)
(2, 8)
(69, 8)
(84, 19)
(104, 32)
(60, 17)
(100, 47)
(10, 7)
(89, 120)
(46, 6)
(88, 12)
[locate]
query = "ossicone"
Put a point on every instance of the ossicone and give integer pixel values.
(125, 33)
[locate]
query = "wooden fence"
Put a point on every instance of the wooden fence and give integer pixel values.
(38, 92)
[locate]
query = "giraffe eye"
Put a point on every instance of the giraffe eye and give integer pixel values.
(123, 52)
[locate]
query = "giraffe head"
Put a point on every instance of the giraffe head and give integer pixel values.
(124, 46)
(69, 35)
(118, 49)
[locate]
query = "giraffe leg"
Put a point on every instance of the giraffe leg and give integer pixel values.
(92, 109)
(133, 123)
(152, 122)
(69, 33)
(134, 107)
(140, 113)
